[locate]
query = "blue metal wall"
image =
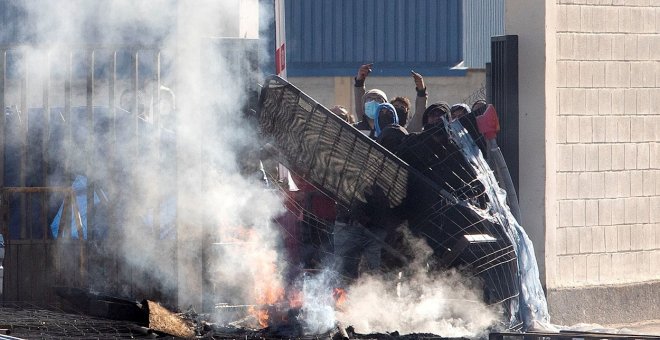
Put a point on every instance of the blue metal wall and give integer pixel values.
(482, 19)
(334, 37)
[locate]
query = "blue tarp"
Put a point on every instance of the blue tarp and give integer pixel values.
(80, 189)
(101, 218)
(532, 304)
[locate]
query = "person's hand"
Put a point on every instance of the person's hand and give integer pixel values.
(364, 71)
(419, 80)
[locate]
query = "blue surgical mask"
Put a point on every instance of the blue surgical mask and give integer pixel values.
(370, 109)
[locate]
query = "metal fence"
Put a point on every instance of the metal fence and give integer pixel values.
(73, 120)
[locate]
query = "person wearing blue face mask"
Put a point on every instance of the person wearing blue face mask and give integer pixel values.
(370, 102)
(407, 119)
(366, 103)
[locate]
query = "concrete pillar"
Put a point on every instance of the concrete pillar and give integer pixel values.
(533, 22)
(344, 94)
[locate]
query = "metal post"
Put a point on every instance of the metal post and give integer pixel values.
(67, 112)
(156, 139)
(4, 219)
(135, 105)
(112, 100)
(3, 82)
(44, 146)
(24, 121)
(91, 149)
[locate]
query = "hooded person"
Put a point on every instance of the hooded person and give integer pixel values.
(434, 113)
(459, 110)
(387, 130)
(368, 108)
(478, 108)
(418, 148)
(360, 232)
(386, 115)
(435, 155)
(468, 118)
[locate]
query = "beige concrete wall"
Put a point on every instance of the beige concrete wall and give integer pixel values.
(608, 146)
(330, 91)
(593, 67)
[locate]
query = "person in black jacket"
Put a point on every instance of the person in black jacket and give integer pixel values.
(468, 119)
(361, 232)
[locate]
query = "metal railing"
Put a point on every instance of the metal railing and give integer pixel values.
(69, 112)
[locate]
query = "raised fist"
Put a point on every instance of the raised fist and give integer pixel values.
(364, 71)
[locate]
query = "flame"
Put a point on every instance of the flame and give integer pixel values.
(268, 289)
(340, 295)
(261, 314)
(269, 297)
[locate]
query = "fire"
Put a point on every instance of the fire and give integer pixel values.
(267, 296)
(265, 301)
(269, 290)
(261, 314)
(340, 296)
(274, 301)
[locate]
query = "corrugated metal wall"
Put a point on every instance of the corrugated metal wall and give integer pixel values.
(482, 20)
(334, 37)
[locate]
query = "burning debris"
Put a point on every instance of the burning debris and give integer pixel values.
(150, 315)
(164, 321)
(150, 319)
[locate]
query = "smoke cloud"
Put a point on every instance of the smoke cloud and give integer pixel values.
(418, 301)
(196, 179)
(427, 303)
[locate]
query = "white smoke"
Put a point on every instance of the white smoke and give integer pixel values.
(318, 307)
(418, 300)
(439, 303)
(215, 205)
(216, 209)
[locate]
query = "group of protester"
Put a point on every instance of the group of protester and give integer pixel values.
(352, 241)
